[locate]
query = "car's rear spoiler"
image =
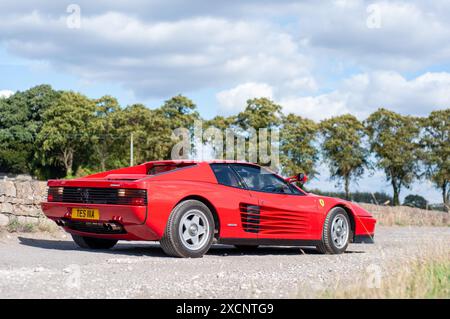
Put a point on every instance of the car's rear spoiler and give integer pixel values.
(127, 177)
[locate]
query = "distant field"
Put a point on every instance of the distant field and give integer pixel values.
(407, 216)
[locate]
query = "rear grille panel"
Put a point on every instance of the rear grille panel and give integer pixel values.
(92, 227)
(93, 195)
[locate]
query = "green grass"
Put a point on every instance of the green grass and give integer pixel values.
(429, 279)
(15, 226)
(438, 275)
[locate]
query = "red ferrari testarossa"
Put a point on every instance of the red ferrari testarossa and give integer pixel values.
(189, 205)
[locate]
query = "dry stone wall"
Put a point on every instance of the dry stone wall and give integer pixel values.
(20, 198)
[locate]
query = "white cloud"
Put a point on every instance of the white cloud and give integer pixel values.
(302, 54)
(316, 107)
(6, 93)
(234, 100)
(360, 95)
(363, 93)
(412, 34)
(157, 58)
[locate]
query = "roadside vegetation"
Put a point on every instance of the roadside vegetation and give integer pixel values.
(15, 226)
(382, 199)
(420, 279)
(55, 134)
(42, 225)
(407, 216)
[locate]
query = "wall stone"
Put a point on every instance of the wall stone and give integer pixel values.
(6, 208)
(4, 220)
(20, 197)
(7, 188)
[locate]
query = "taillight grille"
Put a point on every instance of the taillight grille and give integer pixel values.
(93, 195)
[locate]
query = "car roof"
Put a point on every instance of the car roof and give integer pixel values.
(198, 162)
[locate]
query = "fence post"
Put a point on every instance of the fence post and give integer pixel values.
(131, 150)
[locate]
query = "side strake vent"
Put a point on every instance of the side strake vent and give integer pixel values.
(250, 216)
(267, 221)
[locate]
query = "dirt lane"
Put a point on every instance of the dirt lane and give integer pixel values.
(38, 266)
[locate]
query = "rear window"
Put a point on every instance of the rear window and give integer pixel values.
(163, 168)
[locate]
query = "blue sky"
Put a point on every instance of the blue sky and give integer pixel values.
(316, 59)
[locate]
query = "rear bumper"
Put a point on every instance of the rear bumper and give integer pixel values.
(130, 219)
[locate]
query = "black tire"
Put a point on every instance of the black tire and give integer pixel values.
(172, 242)
(246, 247)
(94, 243)
(328, 245)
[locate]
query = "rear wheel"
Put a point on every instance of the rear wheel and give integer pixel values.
(336, 232)
(189, 231)
(93, 243)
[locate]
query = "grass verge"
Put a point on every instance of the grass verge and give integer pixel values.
(425, 279)
(15, 226)
(42, 225)
(407, 216)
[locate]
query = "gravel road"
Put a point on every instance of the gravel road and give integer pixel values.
(44, 266)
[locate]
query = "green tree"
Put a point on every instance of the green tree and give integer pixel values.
(151, 133)
(436, 155)
(16, 138)
(105, 133)
(20, 122)
(394, 141)
(343, 148)
(260, 113)
(180, 111)
(297, 150)
(415, 201)
(221, 122)
(67, 131)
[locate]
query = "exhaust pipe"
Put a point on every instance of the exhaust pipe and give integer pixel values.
(112, 227)
(60, 222)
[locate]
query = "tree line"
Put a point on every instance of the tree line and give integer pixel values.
(50, 133)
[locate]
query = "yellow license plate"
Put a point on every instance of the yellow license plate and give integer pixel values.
(85, 213)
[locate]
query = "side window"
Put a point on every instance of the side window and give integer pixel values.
(225, 175)
(259, 179)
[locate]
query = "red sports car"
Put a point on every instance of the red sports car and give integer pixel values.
(188, 205)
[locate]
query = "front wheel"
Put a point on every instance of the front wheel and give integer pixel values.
(336, 232)
(189, 231)
(93, 243)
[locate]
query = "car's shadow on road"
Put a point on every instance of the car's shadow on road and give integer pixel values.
(225, 250)
(153, 249)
